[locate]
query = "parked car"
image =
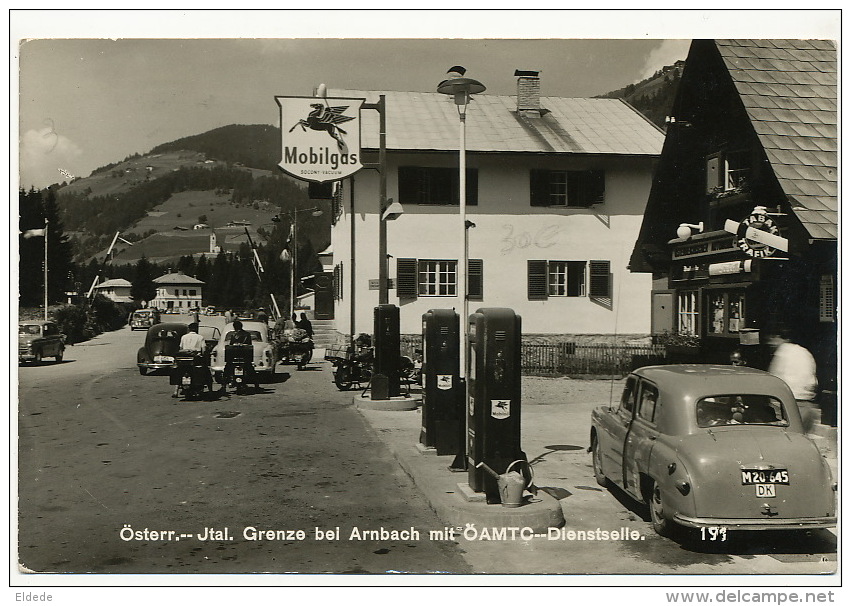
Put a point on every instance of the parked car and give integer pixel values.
(713, 446)
(143, 319)
(39, 339)
(264, 353)
(161, 343)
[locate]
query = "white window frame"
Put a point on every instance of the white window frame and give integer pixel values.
(687, 312)
(559, 278)
(437, 278)
(558, 188)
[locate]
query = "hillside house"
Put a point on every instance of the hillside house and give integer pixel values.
(117, 290)
(753, 142)
(177, 292)
(556, 189)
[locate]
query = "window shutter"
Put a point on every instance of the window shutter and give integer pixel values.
(408, 185)
(539, 187)
(599, 287)
(475, 279)
(713, 173)
(596, 186)
(576, 189)
(472, 187)
(827, 305)
(537, 280)
(406, 278)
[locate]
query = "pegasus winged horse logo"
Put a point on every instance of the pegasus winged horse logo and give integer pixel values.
(327, 119)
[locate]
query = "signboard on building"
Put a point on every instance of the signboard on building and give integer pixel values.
(320, 137)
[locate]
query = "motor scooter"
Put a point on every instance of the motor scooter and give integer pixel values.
(239, 368)
(190, 374)
(350, 369)
(295, 346)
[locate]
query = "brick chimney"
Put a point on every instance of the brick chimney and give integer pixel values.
(528, 91)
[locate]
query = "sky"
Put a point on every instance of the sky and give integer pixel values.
(97, 86)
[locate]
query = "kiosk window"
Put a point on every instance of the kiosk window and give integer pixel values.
(726, 313)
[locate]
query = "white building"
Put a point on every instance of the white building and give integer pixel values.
(177, 291)
(556, 189)
(117, 290)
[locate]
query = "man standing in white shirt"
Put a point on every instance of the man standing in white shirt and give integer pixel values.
(797, 367)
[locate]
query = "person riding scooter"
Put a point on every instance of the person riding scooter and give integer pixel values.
(192, 343)
(238, 336)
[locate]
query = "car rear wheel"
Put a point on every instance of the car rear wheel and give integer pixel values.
(658, 512)
(143, 371)
(597, 462)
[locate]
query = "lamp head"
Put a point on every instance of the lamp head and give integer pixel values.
(393, 211)
(458, 86)
(684, 231)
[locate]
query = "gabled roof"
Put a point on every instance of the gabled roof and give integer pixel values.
(788, 88)
(429, 122)
(176, 278)
(115, 283)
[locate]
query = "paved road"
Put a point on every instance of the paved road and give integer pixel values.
(101, 447)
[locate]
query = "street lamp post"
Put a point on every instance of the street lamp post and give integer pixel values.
(460, 88)
(315, 212)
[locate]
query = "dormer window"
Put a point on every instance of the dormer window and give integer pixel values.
(727, 172)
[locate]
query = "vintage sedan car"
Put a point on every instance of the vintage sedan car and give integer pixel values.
(264, 352)
(713, 446)
(161, 343)
(143, 319)
(38, 339)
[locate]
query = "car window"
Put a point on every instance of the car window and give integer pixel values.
(210, 333)
(28, 329)
(741, 409)
(647, 403)
(255, 335)
(629, 393)
(166, 334)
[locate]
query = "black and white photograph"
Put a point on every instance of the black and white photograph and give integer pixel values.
(405, 298)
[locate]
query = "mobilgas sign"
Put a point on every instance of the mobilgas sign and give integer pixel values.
(320, 137)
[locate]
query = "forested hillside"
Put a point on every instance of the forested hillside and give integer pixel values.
(254, 145)
(653, 96)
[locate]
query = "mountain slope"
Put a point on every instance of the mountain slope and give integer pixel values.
(653, 96)
(254, 145)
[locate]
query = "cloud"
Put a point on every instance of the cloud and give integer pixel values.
(47, 157)
(666, 53)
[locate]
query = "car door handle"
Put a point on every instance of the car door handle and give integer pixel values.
(651, 437)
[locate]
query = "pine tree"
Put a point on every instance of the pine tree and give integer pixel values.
(142, 287)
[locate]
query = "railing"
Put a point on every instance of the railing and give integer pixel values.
(587, 360)
(571, 358)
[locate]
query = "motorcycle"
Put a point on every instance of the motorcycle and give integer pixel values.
(190, 374)
(295, 346)
(350, 369)
(239, 368)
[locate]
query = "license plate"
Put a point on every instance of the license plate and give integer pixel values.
(163, 359)
(237, 372)
(765, 491)
(764, 476)
(186, 380)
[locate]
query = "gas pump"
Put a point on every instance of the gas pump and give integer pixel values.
(493, 408)
(443, 392)
(385, 380)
